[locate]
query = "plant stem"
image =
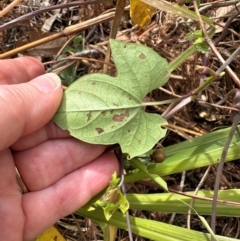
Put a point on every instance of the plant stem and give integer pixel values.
(236, 119)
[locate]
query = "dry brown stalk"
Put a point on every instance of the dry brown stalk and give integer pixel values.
(9, 7)
(66, 32)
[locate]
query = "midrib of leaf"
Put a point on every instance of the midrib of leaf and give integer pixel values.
(121, 107)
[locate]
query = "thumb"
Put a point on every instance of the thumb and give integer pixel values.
(28, 106)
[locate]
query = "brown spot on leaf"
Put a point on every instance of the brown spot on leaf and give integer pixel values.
(115, 197)
(94, 83)
(139, 141)
(165, 74)
(99, 130)
(121, 117)
(89, 115)
(103, 113)
(142, 56)
(115, 104)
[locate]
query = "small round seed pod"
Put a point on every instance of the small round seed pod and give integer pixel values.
(158, 155)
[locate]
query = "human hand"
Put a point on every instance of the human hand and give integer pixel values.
(60, 172)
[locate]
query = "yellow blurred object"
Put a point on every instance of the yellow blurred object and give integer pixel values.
(50, 234)
(141, 13)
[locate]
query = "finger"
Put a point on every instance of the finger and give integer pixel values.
(44, 208)
(47, 132)
(19, 70)
(47, 163)
(27, 107)
(10, 199)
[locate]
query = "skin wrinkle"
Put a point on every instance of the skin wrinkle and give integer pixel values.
(87, 193)
(27, 95)
(52, 130)
(82, 153)
(41, 203)
(25, 217)
(16, 113)
(49, 132)
(4, 75)
(18, 65)
(64, 157)
(68, 153)
(5, 209)
(8, 185)
(35, 67)
(61, 202)
(13, 114)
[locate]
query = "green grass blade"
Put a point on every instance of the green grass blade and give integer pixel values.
(199, 152)
(150, 229)
(154, 177)
(157, 202)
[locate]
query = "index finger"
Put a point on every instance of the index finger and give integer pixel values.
(20, 70)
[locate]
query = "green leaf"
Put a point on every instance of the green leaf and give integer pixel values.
(194, 35)
(198, 41)
(77, 40)
(112, 199)
(143, 168)
(176, 203)
(101, 109)
(151, 229)
(68, 75)
(202, 47)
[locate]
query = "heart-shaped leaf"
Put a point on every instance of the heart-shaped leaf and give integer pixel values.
(101, 109)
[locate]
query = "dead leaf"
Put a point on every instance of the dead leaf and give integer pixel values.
(141, 13)
(48, 49)
(49, 21)
(221, 13)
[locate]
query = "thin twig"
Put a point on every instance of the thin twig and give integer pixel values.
(225, 29)
(195, 193)
(9, 7)
(228, 61)
(66, 32)
(183, 177)
(208, 199)
(212, 46)
(236, 119)
(216, 5)
(127, 216)
(50, 8)
(118, 153)
(79, 228)
(113, 33)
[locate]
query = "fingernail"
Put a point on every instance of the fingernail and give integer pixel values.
(47, 83)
